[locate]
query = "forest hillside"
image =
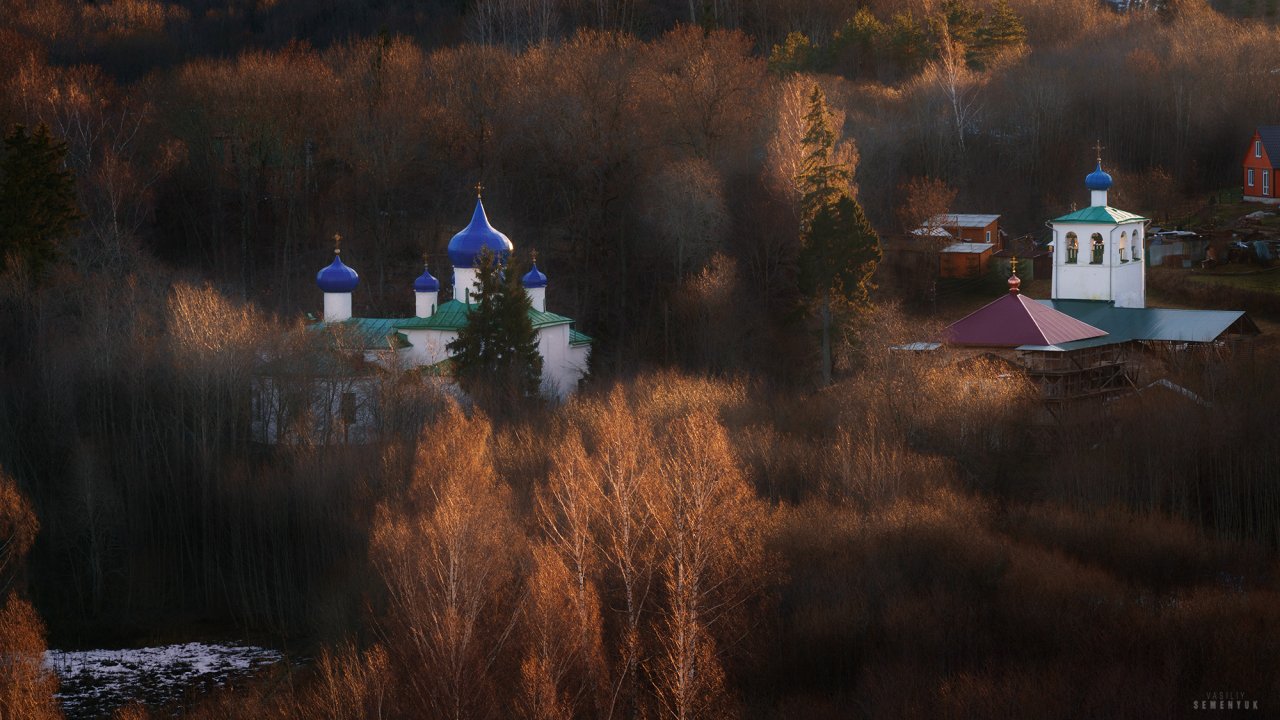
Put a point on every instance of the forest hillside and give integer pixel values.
(753, 508)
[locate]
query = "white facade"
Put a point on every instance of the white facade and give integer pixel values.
(563, 365)
(464, 281)
(317, 410)
(1110, 272)
(538, 298)
(337, 306)
(1098, 254)
(425, 303)
(427, 347)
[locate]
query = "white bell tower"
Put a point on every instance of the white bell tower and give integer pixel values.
(1098, 252)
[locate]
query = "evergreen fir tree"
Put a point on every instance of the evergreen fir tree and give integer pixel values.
(840, 249)
(795, 54)
(961, 21)
(1002, 29)
(821, 177)
(496, 355)
(37, 198)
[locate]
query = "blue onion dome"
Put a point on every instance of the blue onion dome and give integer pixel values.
(466, 245)
(426, 282)
(534, 278)
(1098, 179)
(337, 278)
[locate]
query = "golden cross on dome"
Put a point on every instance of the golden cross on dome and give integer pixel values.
(337, 244)
(1014, 265)
(1098, 148)
(426, 261)
(479, 191)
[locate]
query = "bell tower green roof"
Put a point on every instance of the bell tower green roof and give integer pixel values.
(1102, 215)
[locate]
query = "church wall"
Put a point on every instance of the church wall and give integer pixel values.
(464, 283)
(562, 365)
(1121, 281)
(337, 410)
(429, 346)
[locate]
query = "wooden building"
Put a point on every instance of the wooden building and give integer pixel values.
(1258, 169)
(965, 260)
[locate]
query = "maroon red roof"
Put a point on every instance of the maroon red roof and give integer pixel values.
(1015, 320)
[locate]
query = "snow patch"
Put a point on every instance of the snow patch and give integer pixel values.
(94, 682)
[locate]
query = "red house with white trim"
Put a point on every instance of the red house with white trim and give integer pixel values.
(1261, 162)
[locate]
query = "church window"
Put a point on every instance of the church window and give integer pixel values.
(1124, 241)
(349, 408)
(1137, 245)
(1073, 247)
(1257, 148)
(1098, 246)
(1250, 177)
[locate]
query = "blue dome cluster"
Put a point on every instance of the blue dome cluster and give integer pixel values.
(337, 278)
(466, 245)
(534, 278)
(1098, 179)
(426, 282)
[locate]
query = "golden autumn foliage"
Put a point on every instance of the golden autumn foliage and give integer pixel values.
(914, 541)
(26, 686)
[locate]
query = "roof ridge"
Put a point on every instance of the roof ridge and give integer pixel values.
(1022, 302)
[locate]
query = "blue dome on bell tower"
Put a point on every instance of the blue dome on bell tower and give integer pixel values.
(1098, 179)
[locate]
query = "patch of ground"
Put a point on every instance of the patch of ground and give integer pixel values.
(1242, 278)
(95, 682)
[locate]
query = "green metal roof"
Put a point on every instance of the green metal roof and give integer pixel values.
(542, 319)
(1153, 324)
(452, 315)
(1099, 215)
(577, 338)
(365, 333)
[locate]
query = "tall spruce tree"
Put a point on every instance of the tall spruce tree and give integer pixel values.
(37, 198)
(839, 248)
(1001, 29)
(496, 354)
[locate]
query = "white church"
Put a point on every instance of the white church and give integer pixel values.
(342, 404)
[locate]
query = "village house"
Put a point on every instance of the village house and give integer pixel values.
(1258, 169)
(966, 242)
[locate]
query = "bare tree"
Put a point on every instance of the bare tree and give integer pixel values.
(686, 208)
(621, 481)
(710, 525)
(448, 555)
(960, 86)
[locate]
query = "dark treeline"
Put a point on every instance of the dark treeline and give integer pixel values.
(709, 540)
